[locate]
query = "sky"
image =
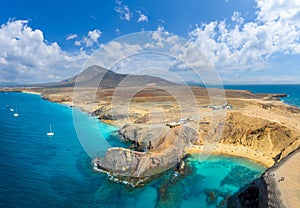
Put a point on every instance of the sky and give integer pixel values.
(247, 41)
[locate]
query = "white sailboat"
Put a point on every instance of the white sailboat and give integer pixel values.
(50, 133)
(16, 113)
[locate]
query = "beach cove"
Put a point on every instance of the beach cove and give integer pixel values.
(37, 168)
(164, 190)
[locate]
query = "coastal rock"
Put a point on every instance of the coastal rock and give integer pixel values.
(270, 138)
(267, 191)
(130, 163)
(166, 154)
(144, 137)
(58, 98)
(258, 123)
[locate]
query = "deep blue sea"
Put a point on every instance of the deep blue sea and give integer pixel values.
(292, 90)
(41, 171)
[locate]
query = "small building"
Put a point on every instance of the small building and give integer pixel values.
(179, 122)
(172, 124)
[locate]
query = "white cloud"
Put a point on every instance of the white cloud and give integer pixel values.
(142, 17)
(113, 52)
(72, 36)
(278, 10)
(248, 45)
(94, 35)
(123, 11)
(117, 31)
(236, 17)
(26, 57)
(238, 49)
(90, 40)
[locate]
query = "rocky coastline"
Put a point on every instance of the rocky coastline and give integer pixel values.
(260, 123)
(266, 191)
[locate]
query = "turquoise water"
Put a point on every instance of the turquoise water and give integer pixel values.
(41, 171)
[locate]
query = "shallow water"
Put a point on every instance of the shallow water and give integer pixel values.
(41, 171)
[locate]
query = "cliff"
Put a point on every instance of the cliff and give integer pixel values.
(160, 153)
(257, 126)
(271, 138)
(278, 187)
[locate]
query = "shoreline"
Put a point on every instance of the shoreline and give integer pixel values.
(236, 151)
(230, 149)
(219, 148)
(31, 92)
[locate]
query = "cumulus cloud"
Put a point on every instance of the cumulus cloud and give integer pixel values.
(26, 57)
(142, 17)
(234, 48)
(90, 40)
(113, 52)
(72, 36)
(246, 45)
(123, 11)
(278, 10)
(236, 17)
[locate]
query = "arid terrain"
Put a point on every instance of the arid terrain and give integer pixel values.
(165, 121)
(259, 127)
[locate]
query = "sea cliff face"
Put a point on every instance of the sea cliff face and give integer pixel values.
(278, 187)
(271, 138)
(260, 123)
(163, 153)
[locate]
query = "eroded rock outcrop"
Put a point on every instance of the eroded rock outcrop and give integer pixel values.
(268, 190)
(168, 152)
(271, 138)
(144, 137)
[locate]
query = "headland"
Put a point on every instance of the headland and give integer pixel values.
(256, 126)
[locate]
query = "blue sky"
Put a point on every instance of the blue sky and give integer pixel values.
(248, 41)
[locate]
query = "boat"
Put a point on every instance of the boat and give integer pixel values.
(7, 106)
(16, 113)
(11, 109)
(50, 133)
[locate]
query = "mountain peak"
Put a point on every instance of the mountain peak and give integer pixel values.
(96, 76)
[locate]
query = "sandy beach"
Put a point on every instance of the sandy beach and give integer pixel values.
(233, 150)
(31, 92)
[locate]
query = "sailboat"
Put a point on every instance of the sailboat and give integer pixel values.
(50, 133)
(16, 113)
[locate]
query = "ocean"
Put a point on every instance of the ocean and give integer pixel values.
(41, 171)
(292, 90)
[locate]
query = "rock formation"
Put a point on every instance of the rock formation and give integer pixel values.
(166, 152)
(257, 122)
